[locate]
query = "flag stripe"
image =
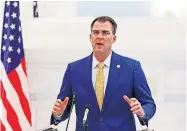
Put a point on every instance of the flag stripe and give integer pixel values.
(15, 81)
(23, 65)
(23, 80)
(2, 127)
(3, 116)
(11, 93)
(11, 115)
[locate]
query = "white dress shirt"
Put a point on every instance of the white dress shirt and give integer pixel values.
(106, 70)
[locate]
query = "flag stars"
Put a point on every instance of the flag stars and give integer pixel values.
(19, 28)
(11, 37)
(15, 4)
(6, 25)
(8, 3)
(7, 14)
(19, 39)
(4, 48)
(14, 15)
(10, 48)
(5, 36)
(18, 50)
(12, 26)
(9, 60)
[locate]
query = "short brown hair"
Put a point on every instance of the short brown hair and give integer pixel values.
(104, 19)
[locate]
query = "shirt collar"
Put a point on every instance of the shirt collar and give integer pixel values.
(106, 62)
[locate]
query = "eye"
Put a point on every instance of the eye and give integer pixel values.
(106, 33)
(95, 32)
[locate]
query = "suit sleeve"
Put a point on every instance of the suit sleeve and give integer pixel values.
(143, 94)
(65, 91)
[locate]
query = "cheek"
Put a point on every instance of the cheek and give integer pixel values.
(109, 46)
(109, 42)
(92, 39)
(92, 43)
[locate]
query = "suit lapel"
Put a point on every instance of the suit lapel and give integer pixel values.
(88, 74)
(88, 83)
(114, 73)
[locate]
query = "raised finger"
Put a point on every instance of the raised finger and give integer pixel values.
(126, 98)
(65, 102)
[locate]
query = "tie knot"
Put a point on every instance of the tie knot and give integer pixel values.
(101, 65)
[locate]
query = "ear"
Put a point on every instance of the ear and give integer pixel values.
(114, 39)
(90, 36)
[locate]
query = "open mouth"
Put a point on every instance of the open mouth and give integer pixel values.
(99, 44)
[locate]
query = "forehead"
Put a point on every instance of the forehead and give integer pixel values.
(102, 26)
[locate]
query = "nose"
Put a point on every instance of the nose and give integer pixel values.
(100, 35)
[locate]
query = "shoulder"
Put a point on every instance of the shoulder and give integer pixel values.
(80, 62)
(125, 59)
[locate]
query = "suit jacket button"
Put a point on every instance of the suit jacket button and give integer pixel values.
(101, 119)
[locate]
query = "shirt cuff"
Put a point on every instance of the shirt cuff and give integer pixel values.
(144, 118)
(57, 117)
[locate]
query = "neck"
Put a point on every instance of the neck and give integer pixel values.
(101, 56)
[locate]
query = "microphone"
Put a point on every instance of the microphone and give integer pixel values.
(72, 103)
(86, 113)
(147, 129)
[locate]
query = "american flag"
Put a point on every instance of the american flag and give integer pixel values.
(35, 9)
(15, 113)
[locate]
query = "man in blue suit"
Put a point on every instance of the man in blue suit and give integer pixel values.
(114, 86)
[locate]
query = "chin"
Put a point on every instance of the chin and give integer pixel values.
(99, 50)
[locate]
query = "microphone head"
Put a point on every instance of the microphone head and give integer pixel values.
(74, 95)
(86, 113)
(87, 106)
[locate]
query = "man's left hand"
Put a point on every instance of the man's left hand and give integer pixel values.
(135, 105)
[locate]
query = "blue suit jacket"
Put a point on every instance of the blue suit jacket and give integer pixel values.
(115, 115)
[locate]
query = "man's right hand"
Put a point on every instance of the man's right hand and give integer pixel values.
(60, 106)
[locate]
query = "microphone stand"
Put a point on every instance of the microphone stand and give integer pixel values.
(72, 103)
(85, 126)
(147, 129)
(85, 121)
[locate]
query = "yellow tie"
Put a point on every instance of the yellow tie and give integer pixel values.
(99, 85)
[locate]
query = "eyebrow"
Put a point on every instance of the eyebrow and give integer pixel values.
(102, 30)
